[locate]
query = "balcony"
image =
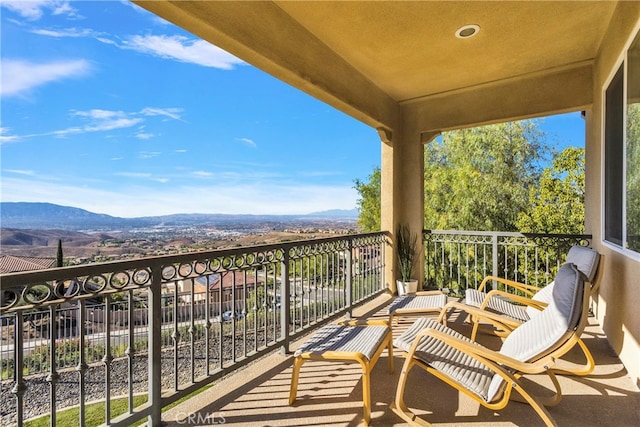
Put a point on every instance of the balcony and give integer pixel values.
(165, 327)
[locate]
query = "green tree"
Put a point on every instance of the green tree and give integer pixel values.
(633, 176)
(478, 178)
(557, 203)
(369, 202)
(59, 256)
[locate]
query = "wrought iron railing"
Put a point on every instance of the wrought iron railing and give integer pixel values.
(167, 326)
(457, 260)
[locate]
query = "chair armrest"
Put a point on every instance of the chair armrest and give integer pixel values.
(515, 298)
(528, 289)
(507, 322)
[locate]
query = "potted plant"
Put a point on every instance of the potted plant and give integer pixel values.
(407, 251)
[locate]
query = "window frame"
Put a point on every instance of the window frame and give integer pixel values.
(621, 64)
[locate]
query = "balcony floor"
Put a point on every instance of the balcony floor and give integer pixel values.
(330, 393)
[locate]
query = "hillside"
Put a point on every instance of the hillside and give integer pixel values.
(26, 237)
(24, 215)
(50, 216)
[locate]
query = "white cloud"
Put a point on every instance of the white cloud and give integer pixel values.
(5, 137)
(144, 135)
(20, 171)
(142, 175)
(113, 124)
(173, 113)
(100, 114)
(21, 76)
(106, 120)
(202, 174)
(34, 9)
(68, 32)
(8, 138)
(107, 41)
(148, 154)
(183, 49)
(247, 141)
(63, 8)
(103, 121)
(62, 133)
(135, 201)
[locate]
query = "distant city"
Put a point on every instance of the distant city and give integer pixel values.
(34, 229)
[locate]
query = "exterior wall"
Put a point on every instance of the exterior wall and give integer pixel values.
(402, 192)
(619, 294)
(402, 197)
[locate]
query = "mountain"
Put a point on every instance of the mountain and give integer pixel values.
(23, 215)
(336, 213)
(50, 216)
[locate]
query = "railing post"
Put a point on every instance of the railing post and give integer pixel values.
(130, 352)
(107, 359)
(82, 363)
(53, 376)
(155, 346)
(383, 267)
(348, 279)
(18, 366)
(427, 259)
(285, 302)
(494, 258)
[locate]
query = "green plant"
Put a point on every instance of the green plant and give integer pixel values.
(407, 251)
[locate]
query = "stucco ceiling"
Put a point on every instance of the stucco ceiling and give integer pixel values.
(369, 58)
(409, 49)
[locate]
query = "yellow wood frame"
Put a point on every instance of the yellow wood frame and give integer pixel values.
(511, 370)
(346, 356)
(414, 311)
(505, 324)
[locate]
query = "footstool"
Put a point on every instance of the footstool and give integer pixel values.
(416, 304)
(350, 341)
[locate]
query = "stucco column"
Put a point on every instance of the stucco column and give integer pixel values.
(402, 194)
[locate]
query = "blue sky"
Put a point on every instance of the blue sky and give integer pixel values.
(108, 108)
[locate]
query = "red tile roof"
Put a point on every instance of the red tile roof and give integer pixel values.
(11, 264)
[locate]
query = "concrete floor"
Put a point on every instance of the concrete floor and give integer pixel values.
(330, 393)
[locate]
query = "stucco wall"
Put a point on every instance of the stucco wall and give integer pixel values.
(617, 303)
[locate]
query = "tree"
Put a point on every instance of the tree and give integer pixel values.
(59, 256)
(478, 179)
(633, 176)
(369, 202)
(490, 179)
(557, 203)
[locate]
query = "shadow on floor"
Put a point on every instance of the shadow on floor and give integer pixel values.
(330, 393)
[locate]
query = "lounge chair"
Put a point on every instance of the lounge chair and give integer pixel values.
(506, 311)
(487, 376)
(585, 259)
(535, 297)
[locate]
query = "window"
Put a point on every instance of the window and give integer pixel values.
(633, 147)
(622, 153)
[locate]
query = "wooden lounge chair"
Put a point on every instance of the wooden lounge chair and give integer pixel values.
(506, 311)
(488, 376)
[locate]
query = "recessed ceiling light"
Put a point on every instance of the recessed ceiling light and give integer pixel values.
(467, 31)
